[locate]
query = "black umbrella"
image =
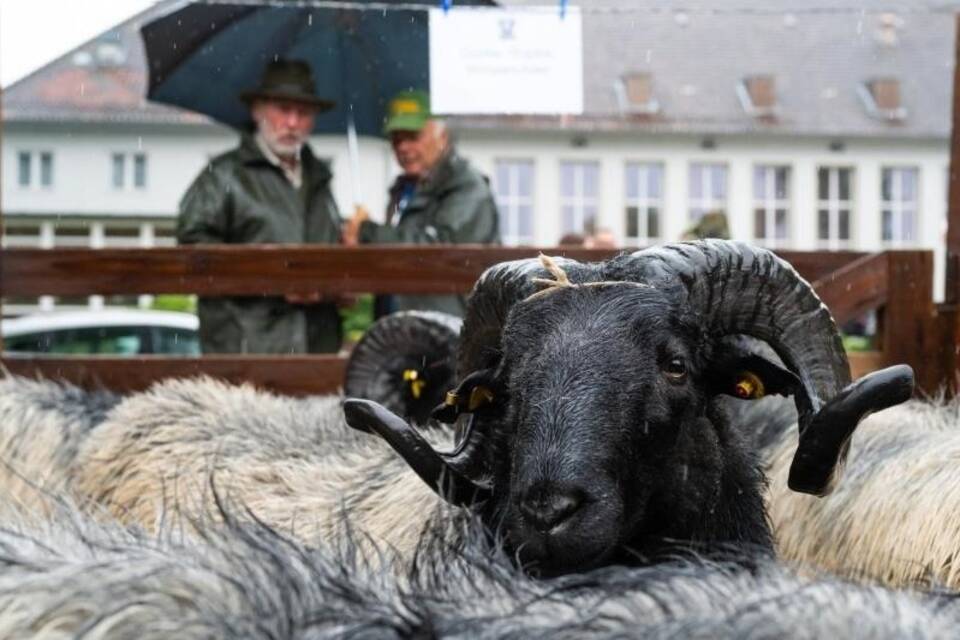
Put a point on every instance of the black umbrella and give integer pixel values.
(202, 55)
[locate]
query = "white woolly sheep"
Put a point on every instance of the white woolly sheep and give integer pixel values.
(896, 515)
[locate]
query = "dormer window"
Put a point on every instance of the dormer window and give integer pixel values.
(635, 93)
(758, 95)
(881, 98)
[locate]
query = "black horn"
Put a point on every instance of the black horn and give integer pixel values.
(748, 290)
(405, 361)
(440, 471)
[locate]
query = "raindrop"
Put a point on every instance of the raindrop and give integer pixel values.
(684, 472)
(310, 20)
(139, 143)
(649, 54)
(645, 428)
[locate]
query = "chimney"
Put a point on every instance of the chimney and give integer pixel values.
(635, 93)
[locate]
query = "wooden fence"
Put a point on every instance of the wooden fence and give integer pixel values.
(898, 283)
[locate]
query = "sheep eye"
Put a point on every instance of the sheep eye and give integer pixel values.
(675, 369)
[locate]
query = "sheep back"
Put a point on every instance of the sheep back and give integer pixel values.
(896, 515)
(171, 452)
(42, 424)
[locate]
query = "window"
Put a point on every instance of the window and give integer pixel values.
(579, 196)
(21, 234)
(35, 169)
(24, 166)
(121, 236)
(128, 170)
(707, 190)
(139, 171)
(644, 203)
(834, 204)
(70, 233)
(46, 169)
(119, 170)
(771, 205)
(513, 186)
(898, 194)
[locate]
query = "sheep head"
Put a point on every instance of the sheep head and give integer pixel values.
(586, 421)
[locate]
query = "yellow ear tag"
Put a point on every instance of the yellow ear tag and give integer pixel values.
(416, 385)
(479, 396)
(749, 386)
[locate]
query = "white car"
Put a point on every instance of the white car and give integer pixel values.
(109, 332)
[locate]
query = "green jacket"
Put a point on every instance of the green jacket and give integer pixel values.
(240, 197)
(454, 204)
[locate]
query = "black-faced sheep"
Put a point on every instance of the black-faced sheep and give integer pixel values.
(590, 431)
(589, 428)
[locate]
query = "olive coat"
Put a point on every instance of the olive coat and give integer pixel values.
(454, 204)
(242, 198)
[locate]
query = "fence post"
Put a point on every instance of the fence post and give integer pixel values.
(953, 207)
(911, 330)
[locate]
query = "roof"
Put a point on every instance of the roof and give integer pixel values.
(102, 80)
(819, 55)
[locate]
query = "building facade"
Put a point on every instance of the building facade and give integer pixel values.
(815, 132)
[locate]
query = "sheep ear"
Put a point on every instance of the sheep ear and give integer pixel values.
(750, 377)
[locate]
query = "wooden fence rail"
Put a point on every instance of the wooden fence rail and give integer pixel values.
(276, 269)
(850, 283)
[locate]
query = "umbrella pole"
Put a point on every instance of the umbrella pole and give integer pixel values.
(353, 150)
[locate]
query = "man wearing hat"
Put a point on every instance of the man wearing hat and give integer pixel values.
(270, 189)
(438, 198)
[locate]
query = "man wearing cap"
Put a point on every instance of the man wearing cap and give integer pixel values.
(270, 189)
(438, 198)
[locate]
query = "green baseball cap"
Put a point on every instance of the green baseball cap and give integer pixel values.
(407, 111)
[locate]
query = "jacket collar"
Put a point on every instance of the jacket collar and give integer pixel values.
(441, 173)
(315, 171)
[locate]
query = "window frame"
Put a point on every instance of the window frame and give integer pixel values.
(579, 201)
(705, 203)
(509, 202)
(643, 202)
(898, 206)
(769, 203)
(833, 205)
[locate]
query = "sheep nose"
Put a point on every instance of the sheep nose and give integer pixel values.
(544, 509)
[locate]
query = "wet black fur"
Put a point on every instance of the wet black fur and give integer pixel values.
(583, 400)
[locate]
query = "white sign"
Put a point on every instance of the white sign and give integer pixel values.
(519, 60)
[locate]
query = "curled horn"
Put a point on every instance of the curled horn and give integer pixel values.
(440, 471)
(743, 289)
(456, 476)
(498, 289)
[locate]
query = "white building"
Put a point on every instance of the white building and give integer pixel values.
(809, 129)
